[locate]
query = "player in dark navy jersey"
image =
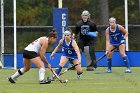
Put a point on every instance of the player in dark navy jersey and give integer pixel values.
(86, 42)
(116, 34)
(70, 50)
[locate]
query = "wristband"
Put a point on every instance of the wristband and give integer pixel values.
(53, 53)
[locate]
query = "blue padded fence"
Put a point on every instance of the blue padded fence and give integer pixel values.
(134, 58)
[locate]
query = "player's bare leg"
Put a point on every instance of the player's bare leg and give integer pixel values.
(40, 65)
(63, 61)
(78, 69)
(21, 71)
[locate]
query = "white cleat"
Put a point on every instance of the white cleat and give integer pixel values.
(108, 71)
(78, 77)
(128, 70)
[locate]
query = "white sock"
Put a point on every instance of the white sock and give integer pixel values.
(17, 74)
(41, 74)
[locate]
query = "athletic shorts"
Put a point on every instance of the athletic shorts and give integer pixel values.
(29, 54)
(70, 57)
(116, 45)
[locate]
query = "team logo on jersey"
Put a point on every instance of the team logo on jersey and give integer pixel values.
(115, 36)
(68, 50)
(85, 29)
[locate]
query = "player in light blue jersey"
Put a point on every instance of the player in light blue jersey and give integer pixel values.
(70, 50)
(116, 35)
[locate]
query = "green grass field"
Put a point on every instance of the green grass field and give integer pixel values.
(91, 82)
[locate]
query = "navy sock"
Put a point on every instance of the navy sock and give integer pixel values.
(126, 61)
(58, 69)
(109, 62)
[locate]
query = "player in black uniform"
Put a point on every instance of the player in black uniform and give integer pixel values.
(86, 42)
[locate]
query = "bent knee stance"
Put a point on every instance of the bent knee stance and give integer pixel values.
(18, 73)
(58, 69)
(21, 71)
(26, 69)
(79, 72)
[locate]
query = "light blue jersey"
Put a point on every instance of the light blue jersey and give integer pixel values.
(115, 36)
(68, 50)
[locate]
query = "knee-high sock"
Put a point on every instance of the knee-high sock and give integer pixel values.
(18, 73)
(41, 74)
(126, 61)
(58, 69)
(109, 62)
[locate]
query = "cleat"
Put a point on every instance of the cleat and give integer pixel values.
(90, 69)
(44, 82)
(128, 70)
(78, 77)
(108, 71)
(65, 81)
(52, 78)
(11, 80)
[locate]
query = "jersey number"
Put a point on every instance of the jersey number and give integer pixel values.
(69, 52)
(115, 38)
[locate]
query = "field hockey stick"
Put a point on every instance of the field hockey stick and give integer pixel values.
(61, 81)
(106, 54)
(61, 73)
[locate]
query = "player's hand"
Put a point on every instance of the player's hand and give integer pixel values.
(107, 52)
(123, 40)
(96, 33)
(79, 62)
(52, 56)
(92, 34)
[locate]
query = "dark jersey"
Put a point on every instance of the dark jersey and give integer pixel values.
(83, 28)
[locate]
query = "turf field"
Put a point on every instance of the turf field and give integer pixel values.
(91, 82)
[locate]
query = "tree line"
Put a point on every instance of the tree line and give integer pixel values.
(39, 12)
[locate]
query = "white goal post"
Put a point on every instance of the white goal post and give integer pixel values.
(2, 34)
(126, 22)
(15, 36)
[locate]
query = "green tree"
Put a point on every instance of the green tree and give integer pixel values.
(34, 12)
(29, 12)
(104, 15)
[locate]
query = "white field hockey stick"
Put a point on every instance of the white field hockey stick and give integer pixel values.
(61, 81)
